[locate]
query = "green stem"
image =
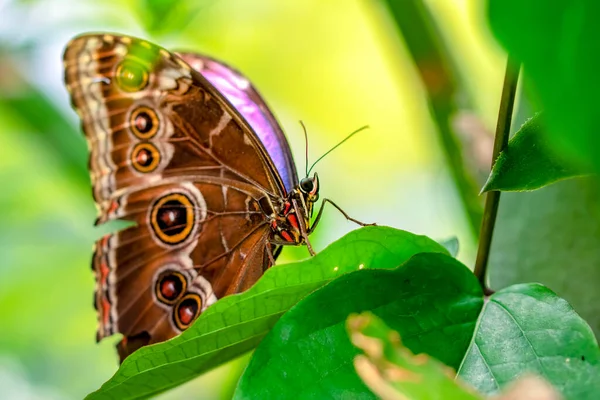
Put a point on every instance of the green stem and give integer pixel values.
(441, 79)
(492, 199)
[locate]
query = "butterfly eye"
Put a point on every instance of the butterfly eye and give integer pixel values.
(144, 122)
(131, 76)
(187, 310)
(306, 185)
(170, 286)
(145, 157)
(172, 218)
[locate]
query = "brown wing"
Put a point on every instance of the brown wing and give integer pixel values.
(251, 105)
(170, 154)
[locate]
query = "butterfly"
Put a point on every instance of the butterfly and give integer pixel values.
(186, 148)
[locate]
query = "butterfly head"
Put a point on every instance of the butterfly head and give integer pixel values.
(310, 187)
(309, 190)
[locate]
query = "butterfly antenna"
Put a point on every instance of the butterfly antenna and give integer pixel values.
(306, 152)
(362, 128)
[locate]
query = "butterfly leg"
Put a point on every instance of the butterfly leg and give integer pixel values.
(349, 218)
(270, 255)
(309, 246)
(303, 230)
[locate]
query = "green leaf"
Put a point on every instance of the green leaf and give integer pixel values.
(432, 300)
(392, 371)
(236, 324)
(529, 162)
(528, 328)
(557, 42)
(552, 236)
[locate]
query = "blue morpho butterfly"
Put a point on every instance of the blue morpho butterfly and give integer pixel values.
(185, 147)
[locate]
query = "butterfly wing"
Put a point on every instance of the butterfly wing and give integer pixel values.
(171, 154)
(248, 101)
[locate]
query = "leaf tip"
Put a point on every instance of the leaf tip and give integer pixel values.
(489, 185)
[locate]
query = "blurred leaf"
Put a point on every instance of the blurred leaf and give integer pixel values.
(432, 300)
(552, 236)
(392, 371)
(452, 245)
(48, 125)
(528, 328)
(440, 78)
(528, 162)
(236, 324)
(160, 17)
(557, 42)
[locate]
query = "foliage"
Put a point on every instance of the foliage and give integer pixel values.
(392, 371)
(300, 317)
(551, 236)
(432, 300)
(528, 162)
(296, 314)
(557, 43)
(528, 328)
(434, 303)
(237, 323)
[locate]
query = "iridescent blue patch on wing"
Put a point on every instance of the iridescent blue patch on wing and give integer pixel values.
(246, 99)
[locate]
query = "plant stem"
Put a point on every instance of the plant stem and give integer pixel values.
(441, 79)
(492, 199)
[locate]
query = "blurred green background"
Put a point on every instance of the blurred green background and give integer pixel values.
(336, 65)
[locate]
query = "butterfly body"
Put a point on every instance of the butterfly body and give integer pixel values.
(186, 148)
